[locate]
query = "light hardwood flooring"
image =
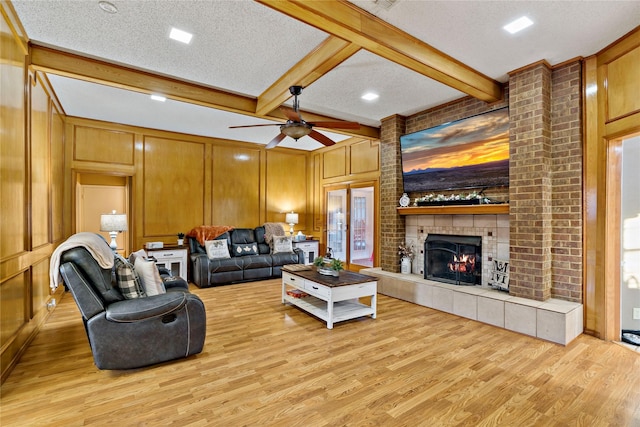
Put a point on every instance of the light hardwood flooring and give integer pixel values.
(267, 364)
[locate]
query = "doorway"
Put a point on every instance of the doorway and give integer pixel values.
(351, 224)
(630, 236)
(97, 195)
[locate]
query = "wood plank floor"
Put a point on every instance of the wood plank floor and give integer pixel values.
(266, 364)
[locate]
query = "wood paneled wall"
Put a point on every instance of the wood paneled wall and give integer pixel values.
(353, 161)
(31, 192)
(181, 181)
(612, 111)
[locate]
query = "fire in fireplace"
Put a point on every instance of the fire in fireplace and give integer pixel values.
(453, 259)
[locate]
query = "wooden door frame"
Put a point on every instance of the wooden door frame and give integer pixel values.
(376, 217)
(612, 239)
(613, 230)
(129, 210)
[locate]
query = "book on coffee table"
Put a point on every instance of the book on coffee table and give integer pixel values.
(296, 267)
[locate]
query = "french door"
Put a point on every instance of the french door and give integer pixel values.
(351, 213)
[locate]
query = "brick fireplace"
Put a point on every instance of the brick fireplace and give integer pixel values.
(542, 234)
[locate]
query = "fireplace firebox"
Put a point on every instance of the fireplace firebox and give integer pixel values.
(453, 259)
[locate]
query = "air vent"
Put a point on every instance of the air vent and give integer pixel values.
(385, 4)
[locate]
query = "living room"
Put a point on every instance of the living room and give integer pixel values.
(177, 180)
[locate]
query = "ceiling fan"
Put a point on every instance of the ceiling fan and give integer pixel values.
(296, 127)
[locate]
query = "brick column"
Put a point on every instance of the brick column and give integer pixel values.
(392, 227)
(566, 133)
(530, 187)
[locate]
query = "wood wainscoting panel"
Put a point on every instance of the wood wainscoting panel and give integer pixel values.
(12, 315)
(236, 186)
(13, 152)
(622, 83)
(173, 186)
(103, 146)
(365, 156)
(286, 188)
(40, 290)
(39, 163)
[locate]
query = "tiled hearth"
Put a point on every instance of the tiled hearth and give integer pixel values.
(553, 320)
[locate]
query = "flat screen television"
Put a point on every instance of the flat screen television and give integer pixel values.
(468, 153)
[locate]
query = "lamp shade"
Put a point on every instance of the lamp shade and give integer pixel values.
(113, 222)
(291, 218)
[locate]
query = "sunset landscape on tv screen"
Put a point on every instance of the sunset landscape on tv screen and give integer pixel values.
(464, 154)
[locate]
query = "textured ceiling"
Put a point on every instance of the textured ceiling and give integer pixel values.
(244, 47)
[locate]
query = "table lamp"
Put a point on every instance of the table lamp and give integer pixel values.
(113, 223)
(291, 219)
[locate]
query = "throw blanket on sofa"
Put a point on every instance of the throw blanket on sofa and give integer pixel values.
(208, 232)
(94, 243)
(272, 229)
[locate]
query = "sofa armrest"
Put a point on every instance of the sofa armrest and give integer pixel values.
(200, 269)
(164, 271)
(175, 283)
(133, 310)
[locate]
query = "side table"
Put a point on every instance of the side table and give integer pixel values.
(173, 259)
(310, 249)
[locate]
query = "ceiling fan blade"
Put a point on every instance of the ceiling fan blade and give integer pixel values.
(254, 126)
(291, 114)
(337, 125)
(275, 141)
(321, 138)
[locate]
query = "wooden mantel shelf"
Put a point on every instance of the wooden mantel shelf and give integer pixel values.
(502, 208)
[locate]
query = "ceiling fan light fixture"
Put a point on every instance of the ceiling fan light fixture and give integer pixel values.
(296, 130)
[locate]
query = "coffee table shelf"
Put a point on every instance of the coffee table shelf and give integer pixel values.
(342, 310)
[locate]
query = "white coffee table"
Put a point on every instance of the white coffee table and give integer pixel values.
(332, 299)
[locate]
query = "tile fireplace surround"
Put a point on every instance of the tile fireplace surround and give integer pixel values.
(553, 320)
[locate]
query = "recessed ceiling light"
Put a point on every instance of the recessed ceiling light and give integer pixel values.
(181, 36)
(370, 96)
(518, 24)
(108, 7)
(159, 98)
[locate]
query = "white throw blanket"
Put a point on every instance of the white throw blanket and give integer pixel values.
(92, 242)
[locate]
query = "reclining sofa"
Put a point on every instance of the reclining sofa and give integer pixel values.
(132, 333)
(239, 267)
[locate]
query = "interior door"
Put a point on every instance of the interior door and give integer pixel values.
(337, 210)
(630, 236)
(362, 226)
(351, 224)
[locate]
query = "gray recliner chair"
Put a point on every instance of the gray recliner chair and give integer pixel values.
(132, 333)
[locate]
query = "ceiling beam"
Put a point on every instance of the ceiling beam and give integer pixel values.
(93, 70)
(349, 22)
(329, 54)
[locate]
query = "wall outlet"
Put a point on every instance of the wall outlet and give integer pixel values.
(636, 313)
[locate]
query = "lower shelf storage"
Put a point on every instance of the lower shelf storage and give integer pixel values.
(342, 310)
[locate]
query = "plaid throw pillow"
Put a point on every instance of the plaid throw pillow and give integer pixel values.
(127, 279)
